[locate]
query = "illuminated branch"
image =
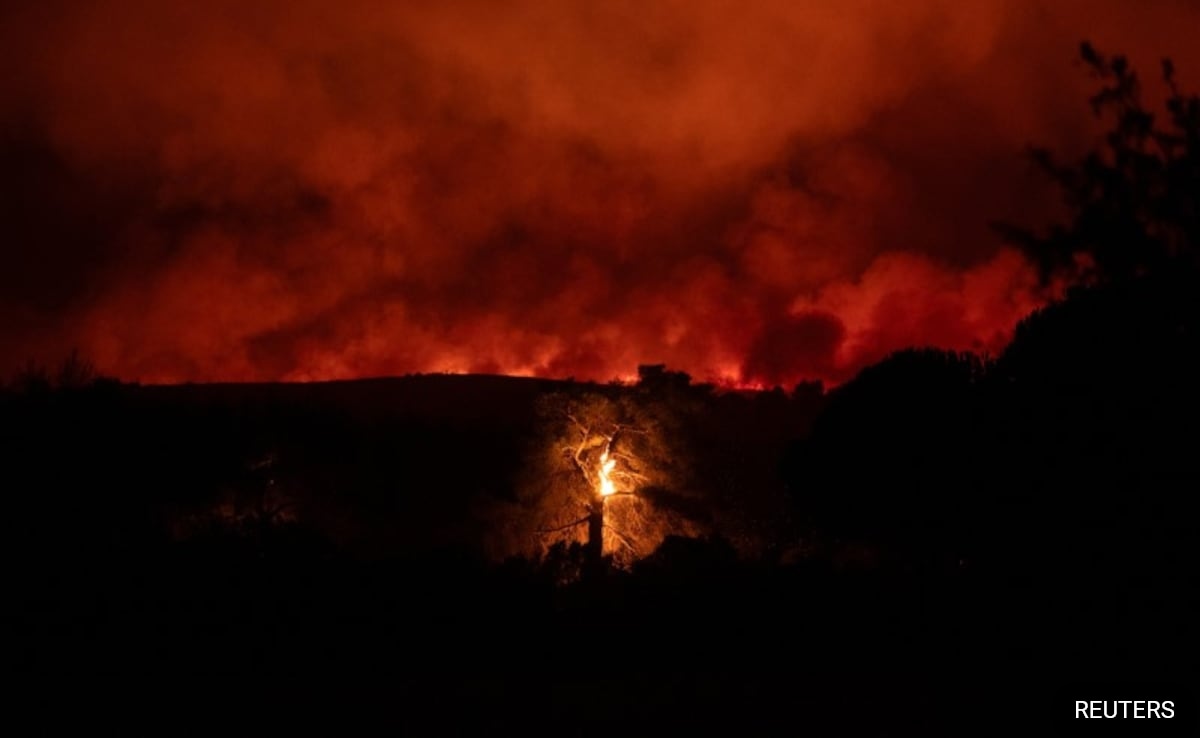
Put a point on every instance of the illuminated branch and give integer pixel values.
(583, 429)
(632, 475)
(578, 459)
(585, 433)
(581, 521)
(634, 429)
(622, 538)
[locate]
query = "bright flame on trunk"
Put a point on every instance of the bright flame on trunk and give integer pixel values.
(606, 467)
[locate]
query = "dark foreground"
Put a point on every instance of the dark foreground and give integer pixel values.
(942, 546)
(289, 635)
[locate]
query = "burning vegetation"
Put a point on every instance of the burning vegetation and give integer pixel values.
(605, 465)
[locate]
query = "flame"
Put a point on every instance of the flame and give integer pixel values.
(606, 467)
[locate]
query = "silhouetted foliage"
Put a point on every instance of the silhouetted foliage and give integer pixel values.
(892, 454)
(1067, 458)
(1135, 201)
(696, 559)
(76, 372)
(657, 378)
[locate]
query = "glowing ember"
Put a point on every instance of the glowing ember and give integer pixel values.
(606, 467)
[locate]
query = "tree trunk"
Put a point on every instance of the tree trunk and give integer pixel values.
(595, 540)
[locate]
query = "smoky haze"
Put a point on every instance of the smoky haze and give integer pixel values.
(757, 193)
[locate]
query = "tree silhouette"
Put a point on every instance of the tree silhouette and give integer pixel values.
(1091, 401)
(1134, 201)
(1070, 452)
(74, 372)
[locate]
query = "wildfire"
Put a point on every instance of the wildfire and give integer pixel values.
(606, 467)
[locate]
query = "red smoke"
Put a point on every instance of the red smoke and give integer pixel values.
(758, 192)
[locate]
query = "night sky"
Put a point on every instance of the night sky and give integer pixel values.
(752, 192)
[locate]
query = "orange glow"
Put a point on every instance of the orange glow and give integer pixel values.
(754, 193)
(605, 474)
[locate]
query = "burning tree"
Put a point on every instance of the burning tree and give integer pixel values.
(602, 479)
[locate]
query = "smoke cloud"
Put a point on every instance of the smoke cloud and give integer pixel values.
(756, 193)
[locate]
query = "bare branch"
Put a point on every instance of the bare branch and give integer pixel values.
(582, 520)
(578, 457)
(585, 430)
(630, 429)
(631, 475)
(622, 538)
